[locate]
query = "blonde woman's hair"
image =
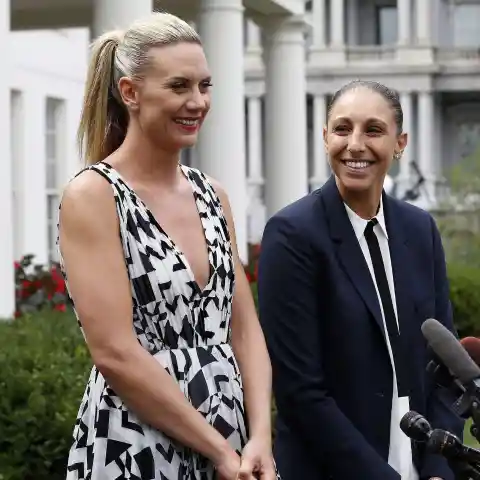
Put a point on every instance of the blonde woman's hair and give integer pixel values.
(104, 120)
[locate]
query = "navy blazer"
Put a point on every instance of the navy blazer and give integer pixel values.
(332, 376)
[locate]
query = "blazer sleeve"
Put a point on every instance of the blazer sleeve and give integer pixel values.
(439, 412)
(289, 295)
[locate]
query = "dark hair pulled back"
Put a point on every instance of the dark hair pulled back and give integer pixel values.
(389, 94)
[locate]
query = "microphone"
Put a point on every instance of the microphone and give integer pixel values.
(443, 377)
(451, 447)
(451, 352)
(415, 426)
(459, 362)
(472, 346)
(465, 461)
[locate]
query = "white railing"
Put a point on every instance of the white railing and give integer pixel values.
(369, 53)
(457, 55)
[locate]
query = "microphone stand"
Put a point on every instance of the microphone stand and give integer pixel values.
(464, 470)
(414, 192)
(468, 406)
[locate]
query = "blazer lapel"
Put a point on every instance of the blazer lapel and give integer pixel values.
(349, 253)
(399, 254)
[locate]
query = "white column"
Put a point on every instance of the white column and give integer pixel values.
(286, 116)
(255, 139)
(221, 147)
(319, 14)
(7, 286)
(337, 23)
(426, 146)
(32, 201)
(113, 14)
(441, 189)
(404, 13)
(406, 100)
(254, 37)
(320, 161)
(437, 138)
(352, 22)
(253, 52)
(424, 22)
(256, 206)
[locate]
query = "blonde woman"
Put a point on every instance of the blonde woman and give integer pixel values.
(181, 383)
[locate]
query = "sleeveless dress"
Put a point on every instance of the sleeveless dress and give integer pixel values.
(184, 328)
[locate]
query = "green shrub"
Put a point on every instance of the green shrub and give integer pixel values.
(44, 365)
(465, 297)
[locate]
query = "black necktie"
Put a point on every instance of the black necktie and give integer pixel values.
(388, 311)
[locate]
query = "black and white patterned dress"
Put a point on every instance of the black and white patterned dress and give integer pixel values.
(185, 329)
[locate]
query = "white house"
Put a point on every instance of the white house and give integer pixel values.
(46, 89)
(275, 64)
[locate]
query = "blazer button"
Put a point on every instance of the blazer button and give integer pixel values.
(380, 394)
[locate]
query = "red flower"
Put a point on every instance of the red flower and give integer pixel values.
(251, 277)
(58, 281)
(38, 287)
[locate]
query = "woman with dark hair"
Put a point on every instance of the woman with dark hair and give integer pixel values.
(347, 275)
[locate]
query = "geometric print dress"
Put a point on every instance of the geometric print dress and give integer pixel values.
(184, 328)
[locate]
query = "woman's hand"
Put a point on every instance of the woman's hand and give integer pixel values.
(257, 461)
(228, 466)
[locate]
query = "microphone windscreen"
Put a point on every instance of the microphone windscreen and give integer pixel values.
(438, 440)
(450, 351)
(472, 346)
(415, 426)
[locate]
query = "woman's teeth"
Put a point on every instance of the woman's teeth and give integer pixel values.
(357, 165)
(184, 121)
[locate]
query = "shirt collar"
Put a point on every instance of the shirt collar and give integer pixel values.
(359, 224)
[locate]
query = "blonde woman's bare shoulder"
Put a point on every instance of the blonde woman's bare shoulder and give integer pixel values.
(87, 185)
(88, 200)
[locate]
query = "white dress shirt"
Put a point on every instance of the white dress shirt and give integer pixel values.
(400, 451)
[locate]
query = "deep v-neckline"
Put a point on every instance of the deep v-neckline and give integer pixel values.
(168, 238)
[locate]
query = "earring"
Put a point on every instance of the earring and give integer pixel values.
(397, 156)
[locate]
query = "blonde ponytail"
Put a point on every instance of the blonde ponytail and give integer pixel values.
(104, 121)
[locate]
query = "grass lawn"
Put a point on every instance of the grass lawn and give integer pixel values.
(468, 438)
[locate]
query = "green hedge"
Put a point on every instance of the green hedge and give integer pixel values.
(44, 365)
(465, 297)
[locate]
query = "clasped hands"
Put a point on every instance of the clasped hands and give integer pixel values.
(256, 462)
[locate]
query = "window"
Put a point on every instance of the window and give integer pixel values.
(386, 25)
(53, 145)
(466, 18)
